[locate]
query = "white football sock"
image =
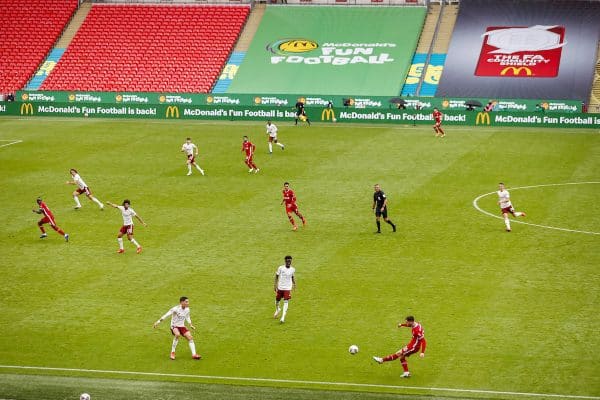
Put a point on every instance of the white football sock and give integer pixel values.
(507, 223)
(518, 213)
(285, 308)
(192, 347)
(120, 240)
(198, 168)
(270, 147)
(95, 200)
(135, 242)
(280, 144)
(189, 168)
(77, 201)
(174, 345)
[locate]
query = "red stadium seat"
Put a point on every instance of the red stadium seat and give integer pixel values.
(149, 48)
(30, 30)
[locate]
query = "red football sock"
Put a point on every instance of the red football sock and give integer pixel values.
(57, 229)
(441, 131)
(42, 229)
(391, 357)
(292, 220)
(404, 364)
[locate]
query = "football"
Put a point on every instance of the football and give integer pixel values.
(353, 349)
(334, 119)
(84, 396)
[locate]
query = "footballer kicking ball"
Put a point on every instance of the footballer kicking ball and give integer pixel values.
(353, 349)
(84, 396)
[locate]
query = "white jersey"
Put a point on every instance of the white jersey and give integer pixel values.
(178, 316)
(504, 198)
(285, 277)
(272, 130)
(128, 215)
(189, 148)
(79, 182)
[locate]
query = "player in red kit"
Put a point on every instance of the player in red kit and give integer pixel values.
(248, 147)
(416, 343)
(437, 127)
(48, 219)
(289, 198)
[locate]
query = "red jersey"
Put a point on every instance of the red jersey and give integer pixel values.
(46, 211)
(437, 116)
(248, 147)
(418, 338)
(289, 197)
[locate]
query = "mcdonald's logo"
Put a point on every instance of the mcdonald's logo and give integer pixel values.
(516, 71)
(26, 109)
(327, 114)
(172, 112)
(483, 118)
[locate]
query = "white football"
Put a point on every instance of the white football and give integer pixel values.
(353, 349)
(334, 119)
(84, 396)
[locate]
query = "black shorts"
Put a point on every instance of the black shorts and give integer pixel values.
(379, 213)
(299, 113)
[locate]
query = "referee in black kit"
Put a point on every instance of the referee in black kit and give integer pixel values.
(380, 207)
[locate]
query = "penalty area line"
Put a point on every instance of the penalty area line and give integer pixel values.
(12, 141)
(476, 206)
(302, 382)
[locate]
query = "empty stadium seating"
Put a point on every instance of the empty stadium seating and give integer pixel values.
(156, 48)
(29, 30)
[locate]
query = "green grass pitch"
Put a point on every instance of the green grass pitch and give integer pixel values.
(506, 315)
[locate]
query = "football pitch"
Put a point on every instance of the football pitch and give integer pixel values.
(506, 315)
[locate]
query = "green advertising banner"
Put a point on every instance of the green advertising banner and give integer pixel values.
(319, 115)
(288, 100)
(331, 50)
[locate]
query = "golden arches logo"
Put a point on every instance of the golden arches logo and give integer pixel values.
(483, 118)
(172, 112)
(26, 109)
(516, 71)
(327, 114)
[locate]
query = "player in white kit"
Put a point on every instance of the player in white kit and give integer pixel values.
(272, 132)
(506, 206)
(179, 315)
(81, 188)
(191, 151)
(285, 282)
(128, 213)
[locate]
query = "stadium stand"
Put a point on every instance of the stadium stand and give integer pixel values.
(149, 48)
(30, 29)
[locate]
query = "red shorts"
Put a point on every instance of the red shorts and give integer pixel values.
(182, 330)
(283, 294)
(126, 229)
(85, 190)
(508, 210)
(291, 208)
(438, 123)
(249, 157)
(46, 220)
(273, 139)
(191, 159)
(405, 351)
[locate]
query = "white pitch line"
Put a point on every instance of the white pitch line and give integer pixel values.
(528, 223)
(303, 382)
(12, 141)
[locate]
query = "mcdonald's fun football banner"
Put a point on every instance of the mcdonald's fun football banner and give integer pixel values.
(521, 52)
